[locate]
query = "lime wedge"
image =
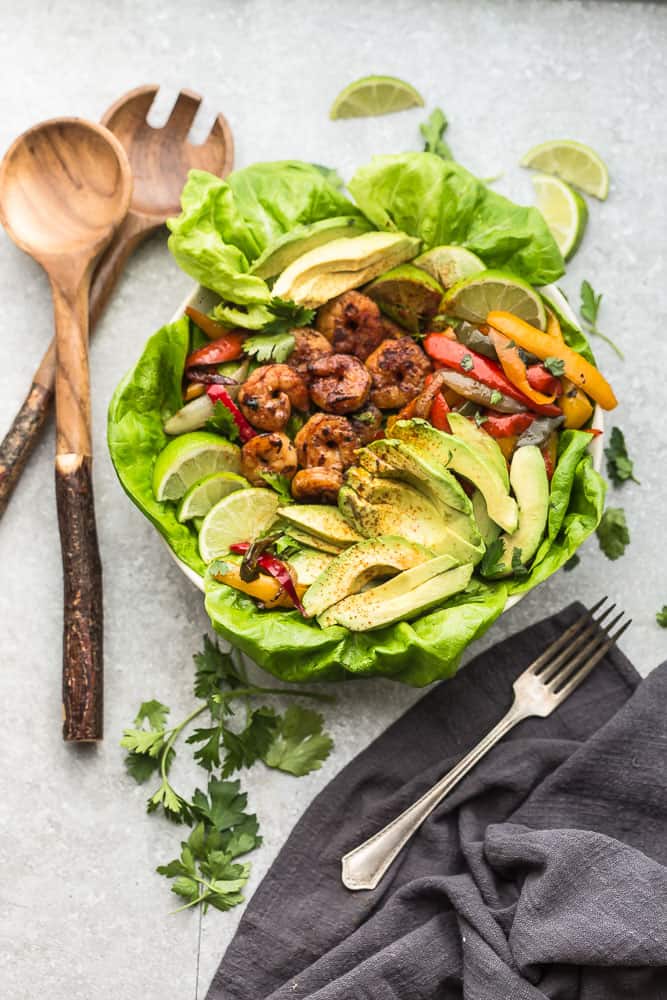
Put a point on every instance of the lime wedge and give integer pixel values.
(474, 298)
(408, 295)
(449, 264)
(206, 492)
(239, 517)
(573, 162)
(564, 210)
(375, 95)
(191, 457)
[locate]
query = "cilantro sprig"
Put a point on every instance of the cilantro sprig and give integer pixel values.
(620, 466)
(612, 532)
(206, 872)
(432, 131)
(589, 309)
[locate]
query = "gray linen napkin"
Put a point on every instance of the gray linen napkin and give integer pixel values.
(543, 874)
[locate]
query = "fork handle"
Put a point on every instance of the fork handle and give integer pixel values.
(365, 865)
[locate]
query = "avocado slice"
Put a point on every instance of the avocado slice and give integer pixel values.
(389, 456)
(388, 506)
(460, 457)
(528, 477)
(354, 569)
(322, 520)
(283, 251)
(328, 270)
(488, 529)
(313, 542)
(399, 599)
(469, 432)
(408, 295)
(308, 564)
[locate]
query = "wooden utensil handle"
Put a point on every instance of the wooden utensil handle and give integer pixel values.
(21, 438)
(82, 568)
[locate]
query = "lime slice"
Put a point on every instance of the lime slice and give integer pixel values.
(375, 95)
(206, 492)
(474, 298)
(239, 517)
(408, 295)
(191, 457)
(573, 162)
(449, 264)
(564, 210)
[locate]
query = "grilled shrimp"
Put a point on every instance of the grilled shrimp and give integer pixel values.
(319, 485)
(308, 347)
(326, 442)
(352, 323)
(267, 397)
(339, 383)
(398, 369)
(366, 423)
(268, 453)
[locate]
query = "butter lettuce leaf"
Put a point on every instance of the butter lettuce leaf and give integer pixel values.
(443, 203)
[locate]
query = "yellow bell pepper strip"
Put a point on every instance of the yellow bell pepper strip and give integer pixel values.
(192, 390)
(210, 327)
(553, 326)
(265, 588)
(579, 371)
(514, 367)
(575, 405)
(507, 445)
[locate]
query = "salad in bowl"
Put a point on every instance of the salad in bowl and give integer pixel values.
(373, 425)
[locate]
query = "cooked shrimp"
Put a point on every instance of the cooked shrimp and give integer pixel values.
(308, 347)
(366, 422)
(268, 453)
(398, 369)
(326, 442)
(267, 397)
(352, 323)
(319, 485)
(339, 383)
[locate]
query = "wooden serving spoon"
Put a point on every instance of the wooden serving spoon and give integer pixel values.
(65, 188)
(160, 160)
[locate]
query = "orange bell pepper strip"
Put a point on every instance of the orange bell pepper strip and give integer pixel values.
(208, 326)
(575, 405)
(514, 367)
(438, 414)
(579, 371)
(553, 326)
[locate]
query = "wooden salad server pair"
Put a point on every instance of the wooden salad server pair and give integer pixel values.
(65, 190)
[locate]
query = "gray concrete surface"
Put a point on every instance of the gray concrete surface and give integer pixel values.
(82, 916)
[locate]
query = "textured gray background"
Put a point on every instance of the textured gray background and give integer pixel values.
(82, 916)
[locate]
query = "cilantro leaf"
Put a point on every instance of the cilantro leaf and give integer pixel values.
(154, 713)
(287, 315)
(214, 670)
(467, 364)
(279, 483)
(572, 562)
(286, 546)
(208, 755)
(612, 532)
(141, 767)
(175, 807)
(619, 464)
(661, 616)
(432, 131)
(496, 397)
(492, 563)
(556, 366)
(589, 309)
(299, 745)
(222, 422)
(244, 748)
(480, 418)
(224, 807)
(271, 348)
(518, 568)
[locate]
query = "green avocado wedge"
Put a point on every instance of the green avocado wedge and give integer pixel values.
(453, 453)
(531, 488)
(285, 250)
(404, 597)
(308, 564)
(473, 435)
(392, 458)
(322, 520)
(355, 568)
(488, 529)
(313, 541)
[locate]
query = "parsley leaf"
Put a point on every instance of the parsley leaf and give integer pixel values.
(589, 309)
(224, 807)
(619, 463)
(286, 316)
(214, 670)
(572, 562)
(432, 131)
(496, 397)
(493, 563)
(661, 616)
(269, 348)
(556, 366)
(286, 546)
(222, 422)
(299, 745)
(244, 748)
(612, 532)
(280, 483)
(467, 364)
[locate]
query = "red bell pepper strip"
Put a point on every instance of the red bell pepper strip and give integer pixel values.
(438, 414)
(459, 357)
(227, 348)
(542, 380)
(218, 394)
(507, 426)
(277, 569)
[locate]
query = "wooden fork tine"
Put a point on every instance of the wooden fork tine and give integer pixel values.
(563, 639)
(585, 670)
(183, 112)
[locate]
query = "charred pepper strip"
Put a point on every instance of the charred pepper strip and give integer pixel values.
(579, 371)
(218, 394)
(462, 359)
(507, 426)
(277, 569)
(226, 348)
(514, 367)
(542, 380)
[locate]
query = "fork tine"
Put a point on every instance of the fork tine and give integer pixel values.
(576, 679)
(556, 677)
(183, 113)
(592, 629)
(563, 639)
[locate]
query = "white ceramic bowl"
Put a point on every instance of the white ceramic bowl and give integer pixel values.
(204, 300)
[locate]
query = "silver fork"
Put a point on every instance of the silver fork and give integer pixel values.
(540, 689)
